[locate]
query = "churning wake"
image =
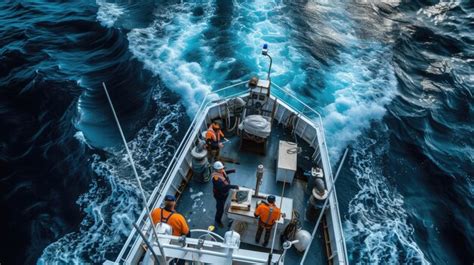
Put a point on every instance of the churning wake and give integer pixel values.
(363, 83)
(359, 83)
(377, 230)
(108, 13)
(166, 46)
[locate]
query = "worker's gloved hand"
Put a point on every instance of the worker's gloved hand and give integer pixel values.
(221, 145)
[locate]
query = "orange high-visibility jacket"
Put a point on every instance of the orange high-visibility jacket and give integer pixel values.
(175, 220)
(269, 213)
(213, 138)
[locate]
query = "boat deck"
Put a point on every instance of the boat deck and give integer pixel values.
(197, 203)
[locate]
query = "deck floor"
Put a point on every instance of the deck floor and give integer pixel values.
(197, 203)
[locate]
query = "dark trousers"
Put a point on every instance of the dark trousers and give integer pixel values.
(213, 154)
(219, 210)
(268, 231)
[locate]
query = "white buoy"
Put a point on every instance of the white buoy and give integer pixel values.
(232, 238)
(304, 238)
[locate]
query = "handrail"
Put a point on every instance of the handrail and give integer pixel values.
(292, 94)
(207, 232)
(325, 148)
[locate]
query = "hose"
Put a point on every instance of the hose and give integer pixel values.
(290, 124)
(291, 121)
(228, 118)
(292, 228)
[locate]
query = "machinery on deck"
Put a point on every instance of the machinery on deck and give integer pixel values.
(257, 117)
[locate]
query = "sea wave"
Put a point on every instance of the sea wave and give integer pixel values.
(109, 13)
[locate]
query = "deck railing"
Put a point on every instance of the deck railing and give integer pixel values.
(157, 194)
(235, 90)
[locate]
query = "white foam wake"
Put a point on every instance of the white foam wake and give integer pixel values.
(358, 81)
(108, 13)
(438, 13)
(112, 203)
(262, 22)
(165, 48)
(361, 84)
(377, 231)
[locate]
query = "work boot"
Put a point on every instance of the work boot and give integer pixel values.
(265, 243)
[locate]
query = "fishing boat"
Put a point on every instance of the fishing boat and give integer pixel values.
(276, 144)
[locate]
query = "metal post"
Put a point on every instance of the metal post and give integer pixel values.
(265, 52)
(270, 67)
(259, 179)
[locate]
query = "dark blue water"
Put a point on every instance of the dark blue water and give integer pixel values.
(393, 80)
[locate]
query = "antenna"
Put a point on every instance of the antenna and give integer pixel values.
(265, 52)
(163, 257)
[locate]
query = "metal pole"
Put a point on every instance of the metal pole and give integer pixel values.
(270, 67)
(163, 257)
(324, 207)
(259, 177)
(270, 255)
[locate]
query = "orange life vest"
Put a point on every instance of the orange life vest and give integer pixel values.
(212, 135)
(268, 213)
(216, 176)
(175, 220)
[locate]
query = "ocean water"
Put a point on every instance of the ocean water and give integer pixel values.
(393, 80)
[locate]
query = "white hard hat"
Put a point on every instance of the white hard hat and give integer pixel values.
(218, 165)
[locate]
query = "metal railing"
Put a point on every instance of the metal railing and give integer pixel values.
(238, 89)
(294, 99)
(158, 191)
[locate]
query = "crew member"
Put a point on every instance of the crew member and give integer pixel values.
(267, 213)
(222, 186)
(169, 216)
(214, 135)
